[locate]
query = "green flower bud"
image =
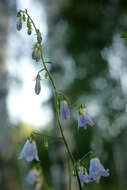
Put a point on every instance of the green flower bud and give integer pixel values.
(19, 23)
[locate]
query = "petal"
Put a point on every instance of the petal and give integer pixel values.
(32, 177)
(97, 170)
(82, 121)
(64, 110)
(31, 152)
(22, 154)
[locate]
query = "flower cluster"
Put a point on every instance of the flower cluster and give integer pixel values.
(96, 171)
(29, 152)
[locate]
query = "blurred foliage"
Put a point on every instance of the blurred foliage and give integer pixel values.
(79, 35)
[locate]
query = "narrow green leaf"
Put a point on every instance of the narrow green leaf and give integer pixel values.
(124, 35)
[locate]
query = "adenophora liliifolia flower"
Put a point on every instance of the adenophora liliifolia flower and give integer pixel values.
(33, 176)
(64, 110)
(97, 170)
(38, 84)
(83, 118)
(29, 151)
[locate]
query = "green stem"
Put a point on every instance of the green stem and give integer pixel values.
(57, 106)
(69, 171)
(58, 118)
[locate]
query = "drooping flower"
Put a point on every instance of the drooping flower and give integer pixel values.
(83, 176)
(36, 54)
(37, 84)
(29, 151)
(32, 176)
(97, 170)
(83, 118)
(64, 110)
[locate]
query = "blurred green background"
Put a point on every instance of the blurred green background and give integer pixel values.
(82, 39)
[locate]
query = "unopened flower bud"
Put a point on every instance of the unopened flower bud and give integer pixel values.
(39, 37)
(29, 31)
(36, 55)
(37, 85)
(19, 23)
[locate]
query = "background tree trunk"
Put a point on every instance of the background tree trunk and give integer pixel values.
(6, 171)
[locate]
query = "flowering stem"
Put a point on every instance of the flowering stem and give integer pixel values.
(58, 118)
(57, 105)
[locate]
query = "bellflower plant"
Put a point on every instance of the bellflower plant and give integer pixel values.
(33, 176)
(64, 110)
(97, 170)
(29, 151)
